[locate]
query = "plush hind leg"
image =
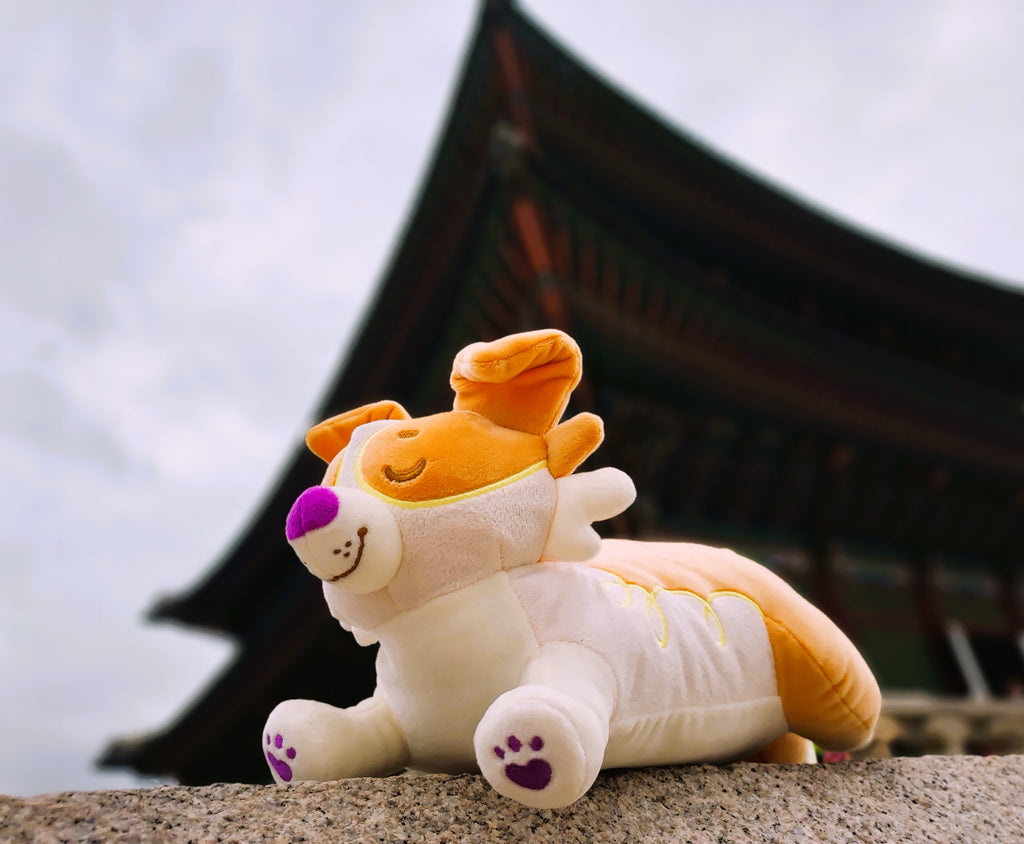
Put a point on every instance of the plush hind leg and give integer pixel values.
(543, 742)
(787, 748)
(309, 740)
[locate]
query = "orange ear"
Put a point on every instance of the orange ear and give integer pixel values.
(332, 435)
(572, 442)
(522, 381)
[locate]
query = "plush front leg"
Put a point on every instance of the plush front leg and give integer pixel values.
(543, 742)
(309, 740)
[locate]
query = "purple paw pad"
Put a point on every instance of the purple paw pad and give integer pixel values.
(535, 774)
(282, 768)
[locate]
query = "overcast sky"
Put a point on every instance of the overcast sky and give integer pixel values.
(197, 198)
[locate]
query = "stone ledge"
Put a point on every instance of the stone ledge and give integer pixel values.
(935, 798)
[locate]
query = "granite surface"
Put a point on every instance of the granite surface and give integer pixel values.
(947, 799)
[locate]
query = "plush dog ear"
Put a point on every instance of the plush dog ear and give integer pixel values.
(522, 381)
(332, 435)
(572, 442)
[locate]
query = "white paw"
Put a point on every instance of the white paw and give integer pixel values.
(309, 740)
(540, 747)
(285, 743)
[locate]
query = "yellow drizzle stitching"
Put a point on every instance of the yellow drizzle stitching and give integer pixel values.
(651, 604)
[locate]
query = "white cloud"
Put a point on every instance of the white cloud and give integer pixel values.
(60, 243)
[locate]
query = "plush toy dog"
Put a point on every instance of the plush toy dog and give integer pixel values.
(512, 639)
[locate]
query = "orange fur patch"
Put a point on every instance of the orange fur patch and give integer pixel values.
(444, 455)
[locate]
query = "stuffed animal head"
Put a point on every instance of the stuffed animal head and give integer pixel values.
(410, 509)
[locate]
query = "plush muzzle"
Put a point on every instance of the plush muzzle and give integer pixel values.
(345, 537)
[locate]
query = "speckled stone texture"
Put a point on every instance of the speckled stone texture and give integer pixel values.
(945, 799)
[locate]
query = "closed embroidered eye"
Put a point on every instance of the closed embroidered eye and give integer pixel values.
(407, 435)
(403, 475)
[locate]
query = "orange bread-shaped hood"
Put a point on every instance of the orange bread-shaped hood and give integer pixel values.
(445, 455)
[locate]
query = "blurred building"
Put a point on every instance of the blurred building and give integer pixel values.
(772, 380)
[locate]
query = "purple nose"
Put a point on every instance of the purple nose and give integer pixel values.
(316, 507)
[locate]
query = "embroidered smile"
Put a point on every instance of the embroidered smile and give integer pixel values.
(361, 533)
(403, 475)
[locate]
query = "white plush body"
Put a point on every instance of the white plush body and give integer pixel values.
(686, 680)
